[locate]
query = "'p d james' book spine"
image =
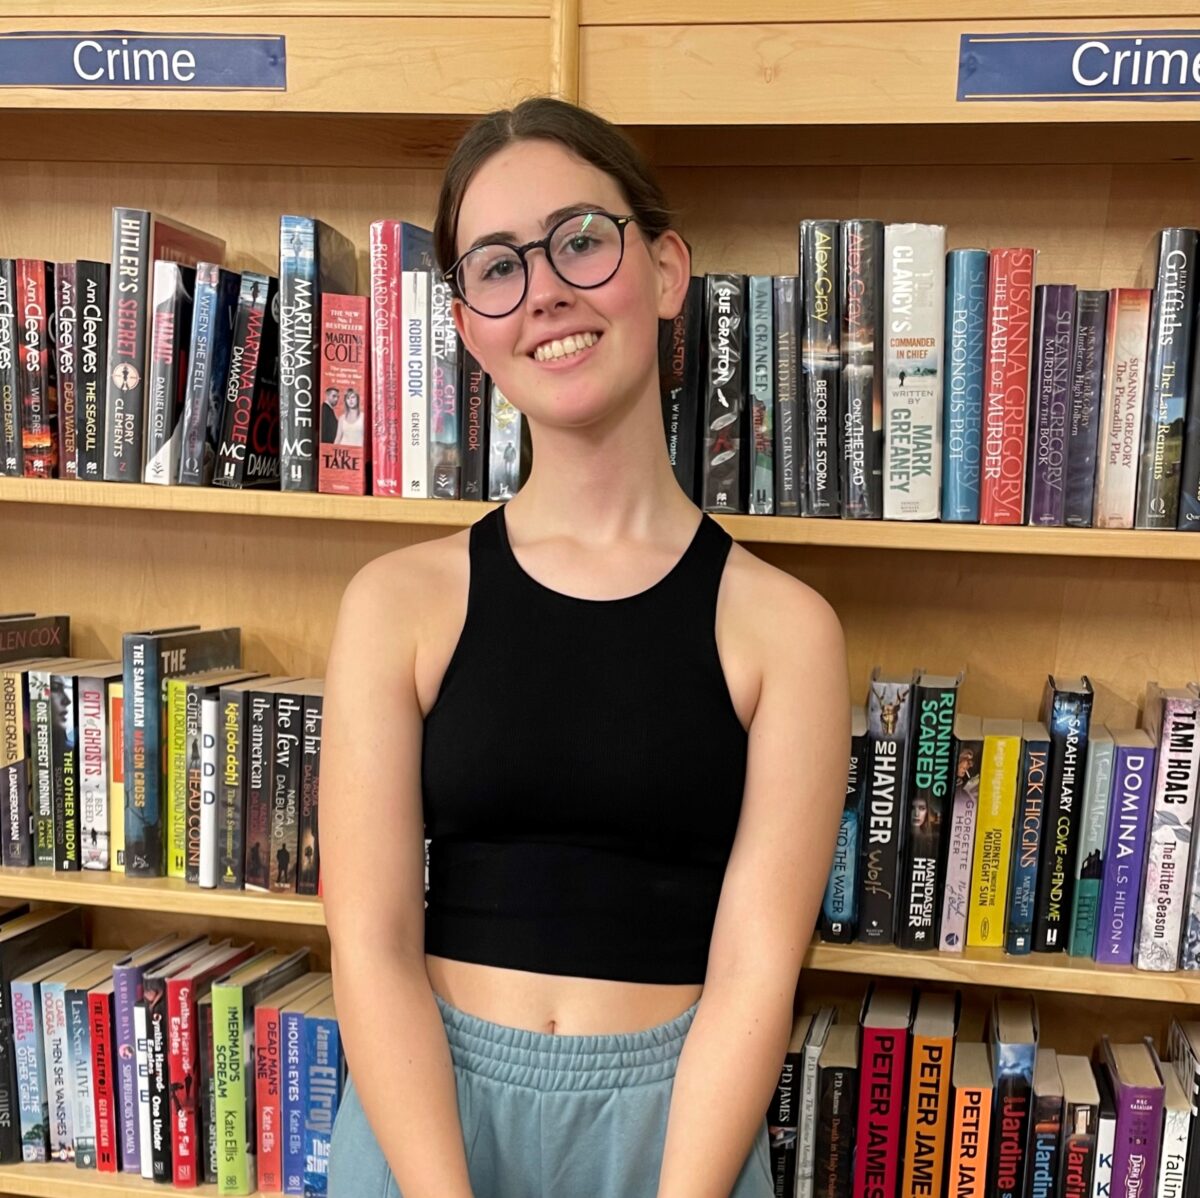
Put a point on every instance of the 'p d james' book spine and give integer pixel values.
(820, 363)
(860, 406)
(724, 444)
(762, 396)
(1083, 424)
(966, 331)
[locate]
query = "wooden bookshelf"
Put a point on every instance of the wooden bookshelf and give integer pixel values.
(59, 1180)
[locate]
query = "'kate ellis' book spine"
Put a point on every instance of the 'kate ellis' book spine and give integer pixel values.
(724, 446)
(91, 367)
(445, 399)
(914, 308)
(966, 332)
(174, 286)
(789, 415)
(1006, 386)
(1168, 362)
(860, 407)
(1027, 839)
(36, 387)
(762, 396)
(10, 415)
(960, 846)
(1053, 333)
(839, 907)
(820, 364)
(1087, 379)
(680, 342)
(1089, 852)
(308, 863)
(66, 339)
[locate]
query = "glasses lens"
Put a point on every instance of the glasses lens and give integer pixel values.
(491, 279)
(586, 249)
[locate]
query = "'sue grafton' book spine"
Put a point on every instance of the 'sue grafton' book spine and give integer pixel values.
(91, 362)
(65, 342)
(820, 364)
(860, 398)
(1050, 387)
(724, 443)
(966, 333)
(789, 416)
(762, 397)
(1083, 425)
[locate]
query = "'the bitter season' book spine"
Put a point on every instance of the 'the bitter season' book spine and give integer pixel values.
(1083, 426)
(860, 408)
(91, 367)
(789, 415)
(966, 331)
(762, 396)
(723, 447)
(820, 364)
(1050, 387)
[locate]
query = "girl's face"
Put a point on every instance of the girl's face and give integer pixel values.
(514, 197)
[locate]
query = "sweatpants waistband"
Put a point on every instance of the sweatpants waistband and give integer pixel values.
(546, 1062)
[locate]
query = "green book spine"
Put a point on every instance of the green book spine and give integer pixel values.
(229, 1086)
(176, 776)
(1089, 859)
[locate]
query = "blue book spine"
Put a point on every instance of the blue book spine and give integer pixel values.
(31, 1070)
(416, 247)
(143, 716)
(291, 1100)
(324, 1069)
(966, 338)
(839, 907)
(299, 330)
(79, 1037)
(1022, 890)
(1083, 424)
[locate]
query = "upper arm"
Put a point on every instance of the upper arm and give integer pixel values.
(371, 824)
(797, 761)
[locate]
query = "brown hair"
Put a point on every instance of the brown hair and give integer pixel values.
(583, 133)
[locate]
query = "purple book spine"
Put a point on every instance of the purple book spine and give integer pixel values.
(1139, 1134)
(1050, 398)
(127, 989)
(1091, 319)
(1124, 855)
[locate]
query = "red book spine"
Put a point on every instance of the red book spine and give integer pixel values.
(35, 387)
(345, 396)
(100, 1018)
(880, 1109)
(181, 1048)
(1006, 387)
(385, 360)
(266, 1098)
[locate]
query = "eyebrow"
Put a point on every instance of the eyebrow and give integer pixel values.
(550, 218)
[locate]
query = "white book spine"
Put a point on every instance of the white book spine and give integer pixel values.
(914, 312)
(83, 1110)
(141, 1059)
(414, 382)
(160, 398)
(807, 1144)
(31, 1069)
(58, 1087)
(1106, 1139)
(958, 869)
(93, 773)
(209, 848)
(1172, 1160)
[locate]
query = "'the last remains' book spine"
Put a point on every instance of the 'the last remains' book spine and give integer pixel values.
(860, 406)
(725, 447)
(820, 361)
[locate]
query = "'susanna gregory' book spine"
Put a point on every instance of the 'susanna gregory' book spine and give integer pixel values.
(1087, 377)
(966, 333)
(1050, 387)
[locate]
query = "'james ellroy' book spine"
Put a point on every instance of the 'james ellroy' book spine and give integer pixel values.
(762, 396)
(820, 364)
(66, 311)
(966, 333)
(680, 371)
(789, 427)
(724, 443)
(1050, 387)
(91, 378)
(1083, 426)
(10, 420)
(860, 407)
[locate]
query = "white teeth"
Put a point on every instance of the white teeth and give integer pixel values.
(564, 348)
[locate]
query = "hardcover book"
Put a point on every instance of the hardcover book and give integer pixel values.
(1089, 853)
(783, 1115)
(820, 364)
(788, 420)
(1027, 837)
(1083, 425)
(174, 287)
(1053, 357)
(861, 398)
(994, 833)
(722, 445)
(680, 345)
(1138, 1094)
(971, 1123)
(1014, 1049)
(965, 345)
(960, 843)
(762, 395)
(1081, 1118)
(839, 907)
(885, 1020)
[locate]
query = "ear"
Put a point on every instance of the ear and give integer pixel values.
(674, 262)
(463, 320)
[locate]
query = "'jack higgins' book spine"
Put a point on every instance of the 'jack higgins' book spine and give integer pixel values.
(820, 364)
(839, 907)
(1083, 426)
(966, 334)
(762, 396)
(789, 415)
(860, 406)
(724, 443)
(1053, 333)
(1089, 852)
(1027, 838)
(10, 415)
(680, 342)
(65, 341)
(91, 367)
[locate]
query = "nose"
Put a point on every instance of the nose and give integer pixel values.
(547, 292)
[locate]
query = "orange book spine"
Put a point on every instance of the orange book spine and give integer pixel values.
(928, 1117)
(970, 1134)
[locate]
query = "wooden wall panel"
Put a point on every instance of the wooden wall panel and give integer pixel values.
(718, 12)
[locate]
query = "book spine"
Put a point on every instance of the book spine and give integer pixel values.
(724, 395)
(55, 1049)
(475, 390)
(820, 364)
(1070, 715)
(932, 775)
(127, 989)
(993, 841)
(839, 907)
(1106, 1134)
(1053, 333)
(385, 359)
(308, 866)
(11, 459)
(231, 815)
(100, 1022)
(788, 418)
(14, 801)
(176, 780)
(229, 1085)
(912, 401)
(193, 779)
(65, 345)
(1006, 386)
(323, 1061)
(414, 381)
(285, 791)
(445, 466)
(91, 366)
(31, 1070)
(1169, 359)
(267, 1093)
(679, 342)
(299, 345)
(141, 1059)
(1165, 894)
(82, 1090)
(93, 773)
(206, 1107)
(1137, 1139)
(761, 396)
(1187, 1072)
(965, 340)
(201, 382)
(1124, 855)
(346, 399)
(209, 846)
(242, 386)
(41, 764)
(1027, 839)
(128, 360)
(970, 1136)
(1013, 1068)
(833, 1170)
(143, 776)
(877, 1159)
(1172, 1157)
(1078, 1162)
(1045, 1133)
(36, 388)
(260, 771)
(116, 772)
(1121, 409)
(156, 1050)
(64, 753)
(1087, 385)
(861, 385)
(1089, 854)
(928, 1117)
(504, 445)
(291, 1118)
(170, 329)
(183, 1074)
(806, 1140)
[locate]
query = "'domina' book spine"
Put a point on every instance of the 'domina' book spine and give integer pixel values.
(724, 445)
(966, 330)
(1083, 425)
(1053, 333)
(788, 422)
(860, 407)
(762, 396)
(91, 367)
(820, 364)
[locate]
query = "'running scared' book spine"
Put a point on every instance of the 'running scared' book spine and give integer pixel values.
(820, 363)
(91, 367)
(762, 397)
(1083, 426)
(966, 330)
(1050, 388)
(724, 443)
(788, 420)
(860, 400)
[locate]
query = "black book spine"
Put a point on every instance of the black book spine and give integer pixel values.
(128, 334)
(783, 1117)
(923, 870)
(10, 424)
(725, 448)
(1045, 1135)
(308, 867)
(860, 404)
(789, 425)
(285, 791)
(64, 773)
(91, 367)
(680, 343)
(837, 1102)
(473, 388)
(1169, 356)
(41, 764)
(206, 1107)
(1083, 423)
(64, 339)
(1078, 1150)
(839, 908)
(141, 677)
(231, 812)
(1010, 1134)
(14, 801)
(445, 397)
(260, 767)
(37, 391)
(820, 364)
(155, 992)
(1189, 484)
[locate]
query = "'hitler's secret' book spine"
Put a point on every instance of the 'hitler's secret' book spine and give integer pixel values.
(724, 443)
(820, 364)
(1083, 426)
(66, 314)
(762, 396)
(789, 415)
(914, 308)
(860, 404)
(10, 417)
(91, 367)
(966, 338)
(1053, 333)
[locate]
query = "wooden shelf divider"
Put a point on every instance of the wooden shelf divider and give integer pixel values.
(60, 1180)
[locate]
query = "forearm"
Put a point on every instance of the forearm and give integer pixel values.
(396, 1048)
(734, 1049)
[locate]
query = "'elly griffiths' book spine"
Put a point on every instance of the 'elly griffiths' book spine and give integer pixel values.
(789, 416)
(860, 407)
(1168, 362)
(820, 364)
(839, 907)
(91, 367)
(65, 341)
(762, 396)
(680, 343)
(1027, 838)
(914, 308)
(1083, 426)
(10, 416)
(345, 398)
(931, 779)
(1053, 332)
(966, 334)
(723, 445)
(1006, 386)
(37, 392)
(170, 335)
(445, 399)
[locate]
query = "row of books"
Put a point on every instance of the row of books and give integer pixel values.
(184, 1061)
(172, 760)
(1031, 836)
(904, 1103)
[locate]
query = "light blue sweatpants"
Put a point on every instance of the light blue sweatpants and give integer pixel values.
(547, 1116)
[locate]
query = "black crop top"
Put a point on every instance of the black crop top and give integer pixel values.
(582, 772)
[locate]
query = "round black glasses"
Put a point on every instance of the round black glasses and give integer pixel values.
(584, 250)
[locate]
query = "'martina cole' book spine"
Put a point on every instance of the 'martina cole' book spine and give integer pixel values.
(820, 363)
(91, 367)
(170, 334)
(10, 422)
(762, 396)
(345, 397)
(966, 330)
(724, 447)
(679, 348)
(839, 908)
(914, 309)
(788, 421)
(65, 340)
(1053, 333)
(1083, 425)
(860, 407)
(1168, 380)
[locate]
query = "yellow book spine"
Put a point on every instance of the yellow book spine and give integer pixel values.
(993, 841)
(176, 726)
(928, 1116)
(116, 774)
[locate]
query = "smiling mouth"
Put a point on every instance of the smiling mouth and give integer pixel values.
(552, 351)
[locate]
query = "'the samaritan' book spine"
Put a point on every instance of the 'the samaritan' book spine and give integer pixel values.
(789, 416)
(914, 308)
(966, 332)
(861, 394)
(762, 396)
(820, 363)
(1087, 377)
(91, 376)
(724, 446)
(1053, 333)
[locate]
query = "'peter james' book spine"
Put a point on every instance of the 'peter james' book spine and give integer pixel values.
(1168, 362)
(839, 907)
(1083, 426)
(724, 445)
(914, 308)
(10, 422)
(966, 331)
(761, 374)
(1089, 852)
(877, 1159)
(788, 421)
(820, 364)
(860, 407)
(1027, 839)
(66, 312)
(1053, 333)
(91, 367)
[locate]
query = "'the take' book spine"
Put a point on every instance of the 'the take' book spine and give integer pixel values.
(860, 408)
(762, 396)
(788, 419)
(966, 331)
(820, 363)
(723, 447)
(1050, 387)
(1083, 425)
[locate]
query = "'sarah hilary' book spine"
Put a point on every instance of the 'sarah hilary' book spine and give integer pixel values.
(1083, 425)
(1053, 356)
(789, 414)
(820, 364)
(966, 338)
(724, 445)
(860, 408)
(66, 339)
(762, 396)
(91, 367)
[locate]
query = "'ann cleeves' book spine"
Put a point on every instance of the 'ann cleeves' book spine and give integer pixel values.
(861, 399)
(1050, 390)
(91, 382)
(966, 331)
(1083, 425)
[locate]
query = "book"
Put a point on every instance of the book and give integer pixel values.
(788, 421)
(1050, 388)
(1045, 1126)
(28, 636)
(1089, 852)
(990, 866)
(1014, 1049)
(837, 1099)
(506, 466)
(209, 847)
(326, 1070)
(783, 1115)
(345, 396)
(761, 393)
(1106, 1133)
(91, 367)
(1083, 423)
(1183, 1051)
(96, 745)
(885, 1020)
(1138, 1094)
(37, 389)
(861, 395)
(81, 1075)
(680, 347)
(116, 772)
(1081, 1118)
(724, 394)
(971, 1121)
(65, 338)
(1176, 1126)
(914, 307)
(475, 388)
(839, 906)
(414, 381)
(965, 346)
(174, 287)
(285, 789)
(101, 1026)
(11, 461)
(960, 843)
(294, 1084)
(820, 364)
(814, 1042)
(928, 1119)
(1027, 837)
(308, 860)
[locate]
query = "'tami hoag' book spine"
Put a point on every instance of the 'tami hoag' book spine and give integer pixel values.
(1045, 1127)
(66, 310)
(790, 453)
(928, 1120)
(885, 1020)
(1014, 1048)
(971, 1122)
(962, 423)
(1050, 388)
(761, 351)
(680, 342)
(839, 907)
(10, 418)
(1027, 837)
(1081, 1118)
(860, 405)
(783, 1115)
(723, 439)
(1083, 423)
(1089, 852)
(91, 367)
(820, 364)
(837, 1101)
(993, 833)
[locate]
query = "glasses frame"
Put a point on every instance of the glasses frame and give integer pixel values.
(543, 243)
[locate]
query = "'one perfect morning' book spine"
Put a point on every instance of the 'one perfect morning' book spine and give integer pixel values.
(91, 367)
(724, 443)
(1083, 425)
(966, 328)
(1050, 393)
(820, 363)
(860, 407)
